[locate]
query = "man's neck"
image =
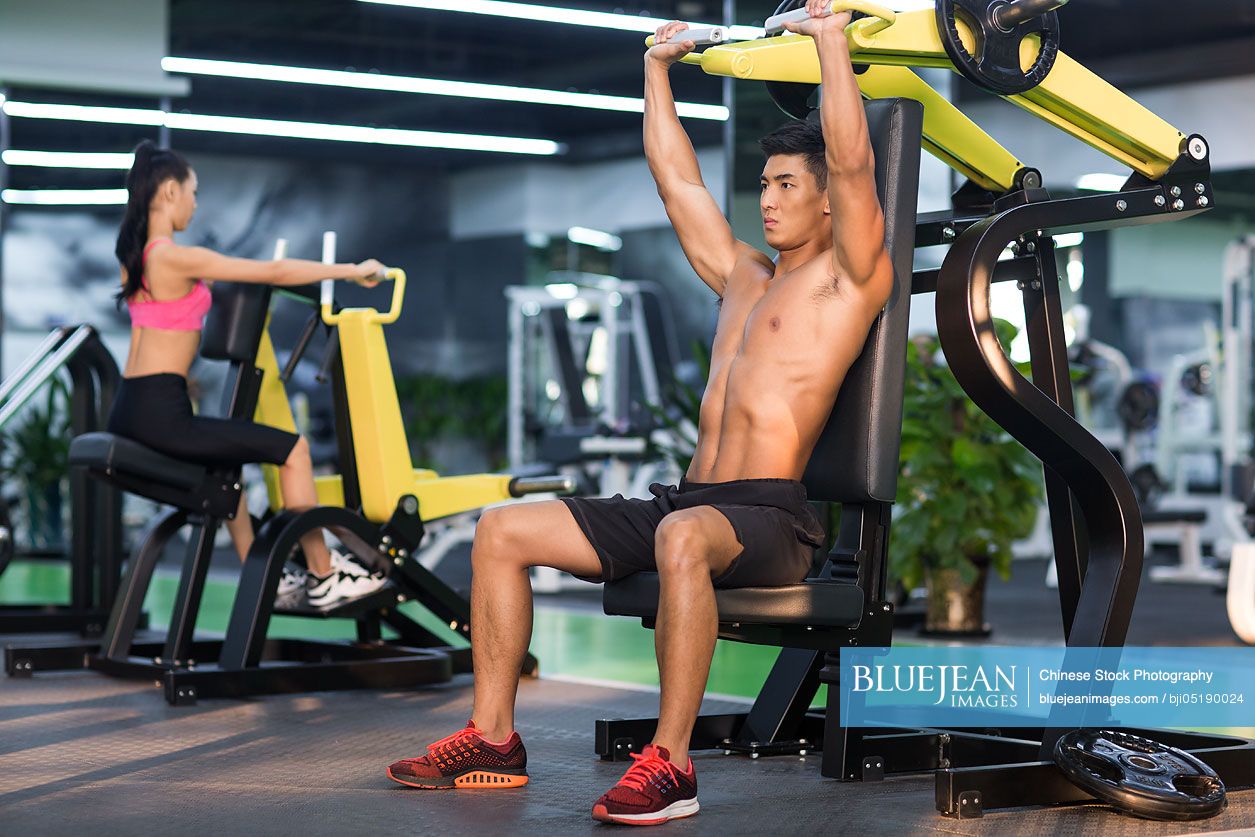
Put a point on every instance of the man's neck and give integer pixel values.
(789, 260)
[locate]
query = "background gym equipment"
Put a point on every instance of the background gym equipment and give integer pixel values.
(95, 547)
(1095, 519)
(375, 507)
(589, 360)
(1236, 381)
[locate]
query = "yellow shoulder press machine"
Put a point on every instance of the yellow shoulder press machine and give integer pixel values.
(1020, 62)
(1009, 48)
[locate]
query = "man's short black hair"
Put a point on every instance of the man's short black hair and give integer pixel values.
(799, 137)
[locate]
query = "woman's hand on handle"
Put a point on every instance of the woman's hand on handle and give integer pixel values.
(367, 273)
(666, 53)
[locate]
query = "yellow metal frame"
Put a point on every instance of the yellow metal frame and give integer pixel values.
(1071, 97)
(385, 471)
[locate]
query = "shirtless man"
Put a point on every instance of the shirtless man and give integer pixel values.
(788, 332)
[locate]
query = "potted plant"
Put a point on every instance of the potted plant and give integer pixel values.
(966, 491)
(37, 459)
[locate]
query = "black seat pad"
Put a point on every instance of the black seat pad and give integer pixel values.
(813, 602)
(1174, 516)
(117, 454)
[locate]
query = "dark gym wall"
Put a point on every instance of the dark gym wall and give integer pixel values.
(60, 267)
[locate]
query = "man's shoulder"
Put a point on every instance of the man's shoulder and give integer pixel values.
(752, 267)
(752, 261)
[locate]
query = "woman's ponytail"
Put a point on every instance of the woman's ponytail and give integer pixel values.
(152, 167)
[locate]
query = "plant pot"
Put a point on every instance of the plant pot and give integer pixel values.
(956, 609)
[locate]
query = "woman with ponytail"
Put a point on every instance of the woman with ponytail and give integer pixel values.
(164, 288)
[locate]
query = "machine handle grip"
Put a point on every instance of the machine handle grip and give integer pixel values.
(397, 275)
(774, 25)
(700, 37)
(541, 485)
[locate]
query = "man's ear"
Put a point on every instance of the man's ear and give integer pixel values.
(827, 206)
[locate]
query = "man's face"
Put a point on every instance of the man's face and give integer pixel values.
(794, 208)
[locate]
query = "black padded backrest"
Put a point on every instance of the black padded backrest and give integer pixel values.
(856, 458)
(235, 322)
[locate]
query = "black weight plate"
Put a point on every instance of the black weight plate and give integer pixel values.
(1143, 777)
(6, 536)
(1148, 488)
(1197, 379)
(1138, 407)
(997, 68)
(793, 97)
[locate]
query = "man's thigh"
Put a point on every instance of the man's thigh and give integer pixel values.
(772, 554)
(541, 534)
(621, 531)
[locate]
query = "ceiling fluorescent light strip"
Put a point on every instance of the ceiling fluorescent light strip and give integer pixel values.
(429, 86)
(585, 17)
(67, 159)
(557, 14)
(64, 197)
(282, 128)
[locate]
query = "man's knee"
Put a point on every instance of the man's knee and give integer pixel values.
(681, 544)
(501, 537)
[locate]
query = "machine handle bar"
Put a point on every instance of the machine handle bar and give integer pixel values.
(775, 24)
(396, 274)
(541, 485)
(701, 37)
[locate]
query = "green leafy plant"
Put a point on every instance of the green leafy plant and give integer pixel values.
(482, 415)
(37, 459)
(435, 408)
(966, 489)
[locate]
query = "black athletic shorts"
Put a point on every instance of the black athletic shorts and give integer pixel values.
(776, 527)
(155, 411)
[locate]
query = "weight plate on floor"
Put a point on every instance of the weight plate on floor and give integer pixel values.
(996, 65)
(1140, 776)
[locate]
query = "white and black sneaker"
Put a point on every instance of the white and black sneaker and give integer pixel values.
(292, 581)
(347, 580)
(350, 563)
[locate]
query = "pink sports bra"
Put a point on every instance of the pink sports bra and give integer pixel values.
(187, 313)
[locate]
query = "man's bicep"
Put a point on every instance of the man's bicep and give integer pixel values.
(858, 224)
(704, 233)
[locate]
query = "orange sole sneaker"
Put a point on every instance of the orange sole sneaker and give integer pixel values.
(478, 779)
(674, 811)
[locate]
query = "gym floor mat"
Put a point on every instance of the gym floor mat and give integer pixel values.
(83, 753)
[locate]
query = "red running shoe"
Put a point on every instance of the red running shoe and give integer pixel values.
(651, 792)
(465, 760)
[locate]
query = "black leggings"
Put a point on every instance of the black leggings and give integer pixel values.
(155, 410)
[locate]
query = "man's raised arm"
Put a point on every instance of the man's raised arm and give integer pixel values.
(703, 230)
(858, 223)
